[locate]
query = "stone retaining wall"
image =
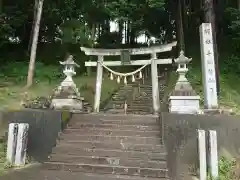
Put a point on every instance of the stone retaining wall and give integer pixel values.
(180, 137)
(45, 126)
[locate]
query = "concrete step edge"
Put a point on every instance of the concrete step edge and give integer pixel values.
(100, 165)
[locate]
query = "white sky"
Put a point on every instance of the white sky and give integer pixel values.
(114, 28)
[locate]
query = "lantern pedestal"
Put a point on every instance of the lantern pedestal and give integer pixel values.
(184, 104)
(183, 99)
(67, 96)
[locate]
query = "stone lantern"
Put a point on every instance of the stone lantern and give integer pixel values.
(183, 99)
(182, 69)
(67, 95)
(69, 71)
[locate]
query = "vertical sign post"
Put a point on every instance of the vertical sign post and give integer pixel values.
(202, 154)
(213, 154)
(21, 148)
(12, 142)
(208, 67)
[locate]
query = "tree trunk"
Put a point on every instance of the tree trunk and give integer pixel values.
(33, 23)
(132, 36)
(128, 31)
(121, 28)
(180, 26)
(185, 16)
(1, 7)
(34, 45)
(93, 34)
(210, 18)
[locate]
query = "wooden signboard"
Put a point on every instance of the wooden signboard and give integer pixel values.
(125, 57)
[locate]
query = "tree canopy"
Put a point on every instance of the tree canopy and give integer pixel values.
(87, 21)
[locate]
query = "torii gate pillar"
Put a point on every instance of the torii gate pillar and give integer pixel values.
(155, 89)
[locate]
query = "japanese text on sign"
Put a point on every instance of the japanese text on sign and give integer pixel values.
(208, 66)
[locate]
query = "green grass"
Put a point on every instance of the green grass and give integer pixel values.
(229, 93)
(228, 169)
(172, 79)
(229, 73)
(3, 167)
(2, 157)
(11, 94)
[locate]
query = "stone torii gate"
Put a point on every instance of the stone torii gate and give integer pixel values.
(154, 61)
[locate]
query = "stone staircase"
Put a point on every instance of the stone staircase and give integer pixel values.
(116, 104)
(142, 100)
(138, 97)
(112, 146)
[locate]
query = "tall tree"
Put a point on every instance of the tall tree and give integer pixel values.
(180, 26)
(210, 18)
(33, 24)
(31, 67)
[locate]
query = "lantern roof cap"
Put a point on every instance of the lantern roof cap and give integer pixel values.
(69, 61)
(182, 59)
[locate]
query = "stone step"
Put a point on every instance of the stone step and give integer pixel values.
(111, 132)
(64, 175)
(117, 104)
(144, 109)
(144, 97)
(114, 111)
(124, 139)
(107, 169)
(156, 148)
(109, 161)
(103, 116)
(149, 89)
(141, 105)
(125, 90)
(121, 122)
(139, 112)
(118, 98)
(115, 119)
(117, 107)
(82, 151)
(119, 94)
(146, 85)
(141, 100)
(114, 127)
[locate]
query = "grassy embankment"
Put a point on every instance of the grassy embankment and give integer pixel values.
(229, 87)
(13, 79)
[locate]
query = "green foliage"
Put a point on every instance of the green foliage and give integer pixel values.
(231, 65)
(227, 169)
(73, 31)
(156, 3)
(233, 16)
(18, 71)
(232, 28)
(65, 117)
